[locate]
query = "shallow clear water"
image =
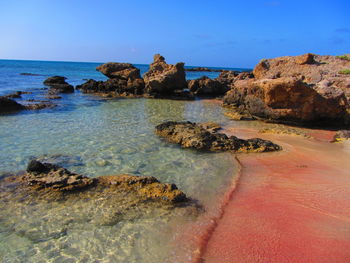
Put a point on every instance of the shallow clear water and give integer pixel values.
(95, 136)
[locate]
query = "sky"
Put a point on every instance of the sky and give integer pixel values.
(222, 33)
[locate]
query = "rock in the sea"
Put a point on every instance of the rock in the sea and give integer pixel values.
(15, 95)
(113, 87)
(45, 175)
(163, 78)
(124, 80)
(305, 90)
(192, 135)
(58, 84)
(8, 105)
(205, 86)
(124, 71)
(55, 180)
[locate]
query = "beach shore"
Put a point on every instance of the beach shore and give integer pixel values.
(289, 206)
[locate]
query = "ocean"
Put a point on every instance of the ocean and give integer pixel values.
(95, 136)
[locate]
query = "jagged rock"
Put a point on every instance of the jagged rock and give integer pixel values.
(205, 86)
(305, 90)
(163, 78)
(124, 71)
(8, 105)
(58, 84)
(191, 135)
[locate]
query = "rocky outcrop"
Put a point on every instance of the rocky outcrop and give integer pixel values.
(163, 78)
(304, 90)
(124, 80)
(205, 86)
(113, 87)
(8, 105)
(192, 135)
(58, 84)
(47, 178)
(115, 70)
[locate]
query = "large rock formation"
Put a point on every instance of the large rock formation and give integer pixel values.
(192, 135)
(58, 84)
(163, 78)
(306, 89)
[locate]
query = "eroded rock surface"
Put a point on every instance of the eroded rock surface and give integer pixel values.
(192, 135)
(163, 78)
(305, 89)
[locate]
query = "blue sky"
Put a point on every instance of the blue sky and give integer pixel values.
(208, 33)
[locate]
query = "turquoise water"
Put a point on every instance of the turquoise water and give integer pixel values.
(95, 136)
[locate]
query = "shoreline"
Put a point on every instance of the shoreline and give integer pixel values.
(283, 204)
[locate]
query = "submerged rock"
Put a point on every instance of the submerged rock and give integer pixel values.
(58, 84)
(192, 135)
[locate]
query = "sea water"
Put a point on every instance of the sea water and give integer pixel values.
(96, 136)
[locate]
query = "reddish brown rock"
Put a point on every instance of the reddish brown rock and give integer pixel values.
(163, 78)
(305, 89)
(119, 70)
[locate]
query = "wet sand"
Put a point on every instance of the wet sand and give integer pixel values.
(290, 206)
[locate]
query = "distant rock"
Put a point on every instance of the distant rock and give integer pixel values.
(8, 105)
(192, 135)
(205, 86)
(306, 90)
(124, 71)
(58, 84)
(204, 69)
(163, 78)
(114, 87)
(30, 74)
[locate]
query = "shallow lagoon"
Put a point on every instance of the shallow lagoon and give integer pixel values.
(94, 137)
